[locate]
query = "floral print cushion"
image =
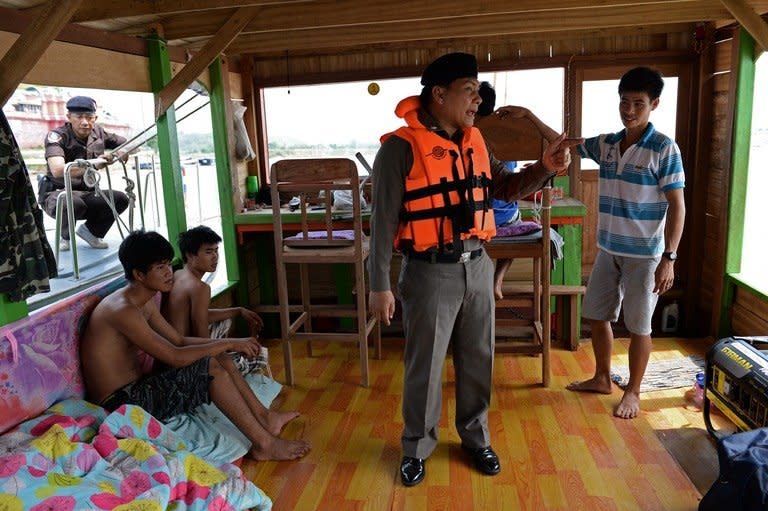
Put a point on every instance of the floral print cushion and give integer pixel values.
(39, 356)
(76, 456)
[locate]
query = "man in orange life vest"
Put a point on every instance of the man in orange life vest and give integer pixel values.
(433, 181)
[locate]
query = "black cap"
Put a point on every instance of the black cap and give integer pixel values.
(81, 104)
(451, 66)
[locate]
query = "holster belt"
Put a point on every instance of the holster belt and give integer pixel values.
(435, 257)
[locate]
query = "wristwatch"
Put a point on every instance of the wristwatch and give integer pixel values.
(669, 255)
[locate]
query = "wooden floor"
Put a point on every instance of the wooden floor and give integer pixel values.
(559, 450)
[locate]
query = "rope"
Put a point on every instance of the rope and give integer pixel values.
(538, 204)
(91, 177)
(567, 102)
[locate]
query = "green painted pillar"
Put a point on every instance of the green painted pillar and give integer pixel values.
(571, 275)
(11, 311)
(740, 144)
(220, 122)
(168, 144)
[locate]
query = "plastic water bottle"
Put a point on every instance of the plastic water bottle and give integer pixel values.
(698, 387)
(695, 395)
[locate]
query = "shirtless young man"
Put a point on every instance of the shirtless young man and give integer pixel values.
(186, 306)
(128, 321)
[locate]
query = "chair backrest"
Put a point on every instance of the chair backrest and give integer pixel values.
(519, 138)
(512, 138)
(336, 208)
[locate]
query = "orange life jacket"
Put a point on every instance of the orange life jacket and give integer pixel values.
(447, 191)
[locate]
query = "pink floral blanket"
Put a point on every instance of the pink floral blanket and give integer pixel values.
(76, 456)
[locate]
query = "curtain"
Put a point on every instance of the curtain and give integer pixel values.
(26, 258)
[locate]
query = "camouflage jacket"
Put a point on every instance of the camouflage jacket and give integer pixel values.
(26, 258)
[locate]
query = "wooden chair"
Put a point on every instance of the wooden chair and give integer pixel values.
(520, 139)
(305, 179)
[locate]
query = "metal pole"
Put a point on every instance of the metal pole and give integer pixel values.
(128, 142)
(138, 188)
(71, 218)
(154, 191)
(135, 137)
(112, 198)
(199, 200)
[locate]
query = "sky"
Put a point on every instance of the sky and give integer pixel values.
(137, 108)
(602, 116)
(339, 113)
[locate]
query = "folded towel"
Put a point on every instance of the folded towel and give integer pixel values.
(346, 234)
(517, 229)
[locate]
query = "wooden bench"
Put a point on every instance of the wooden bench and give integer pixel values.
(561, 292)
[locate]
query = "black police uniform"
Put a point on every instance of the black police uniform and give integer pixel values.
(88, 206)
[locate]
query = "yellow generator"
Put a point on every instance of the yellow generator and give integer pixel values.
(737, 383)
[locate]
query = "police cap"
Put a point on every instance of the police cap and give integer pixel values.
(451, 66)
(81, 104)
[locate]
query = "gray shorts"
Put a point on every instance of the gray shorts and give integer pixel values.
(619, 279)
(167, 393)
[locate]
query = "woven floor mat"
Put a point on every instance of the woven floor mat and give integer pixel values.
(663, 374)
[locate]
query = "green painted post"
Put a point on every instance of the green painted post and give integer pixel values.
(556, 277)
(264, 255)
(571, 234)
(345, 285)
(220, 123)
(740, 143)
(11, 311)
(168, 145)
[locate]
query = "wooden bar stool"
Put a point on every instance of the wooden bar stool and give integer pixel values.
(305, 179)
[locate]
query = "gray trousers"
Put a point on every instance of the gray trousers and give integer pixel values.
(442, 303)
(89, 207)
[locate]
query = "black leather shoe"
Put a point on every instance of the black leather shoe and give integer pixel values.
(485, 460)
(412, 470)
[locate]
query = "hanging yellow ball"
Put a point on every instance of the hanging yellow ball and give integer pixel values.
(373, 88)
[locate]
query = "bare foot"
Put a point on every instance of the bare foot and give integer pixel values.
(276, 421)
(598, 385)
(629, 406)
(279, 449)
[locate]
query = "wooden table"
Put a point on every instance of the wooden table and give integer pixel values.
(567, 217)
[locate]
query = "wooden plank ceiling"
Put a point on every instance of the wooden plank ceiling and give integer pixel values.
(307, 27)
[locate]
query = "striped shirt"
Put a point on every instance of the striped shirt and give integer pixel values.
(633, 207)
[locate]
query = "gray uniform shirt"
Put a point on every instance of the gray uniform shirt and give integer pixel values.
(63, 142)
(390, 168)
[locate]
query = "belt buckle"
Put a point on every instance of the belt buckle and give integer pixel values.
(464, 258)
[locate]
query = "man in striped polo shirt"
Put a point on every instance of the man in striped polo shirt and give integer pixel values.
(640, 222)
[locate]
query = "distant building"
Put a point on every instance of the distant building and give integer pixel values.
(33, 111)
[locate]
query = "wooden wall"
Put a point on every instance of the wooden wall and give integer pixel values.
(716, 169)
(494, 54)
(72, 65)
(749, 314)
(668, 44)
(709, 133)
(531, 50)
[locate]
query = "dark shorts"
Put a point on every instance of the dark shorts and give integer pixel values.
(165, 394)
